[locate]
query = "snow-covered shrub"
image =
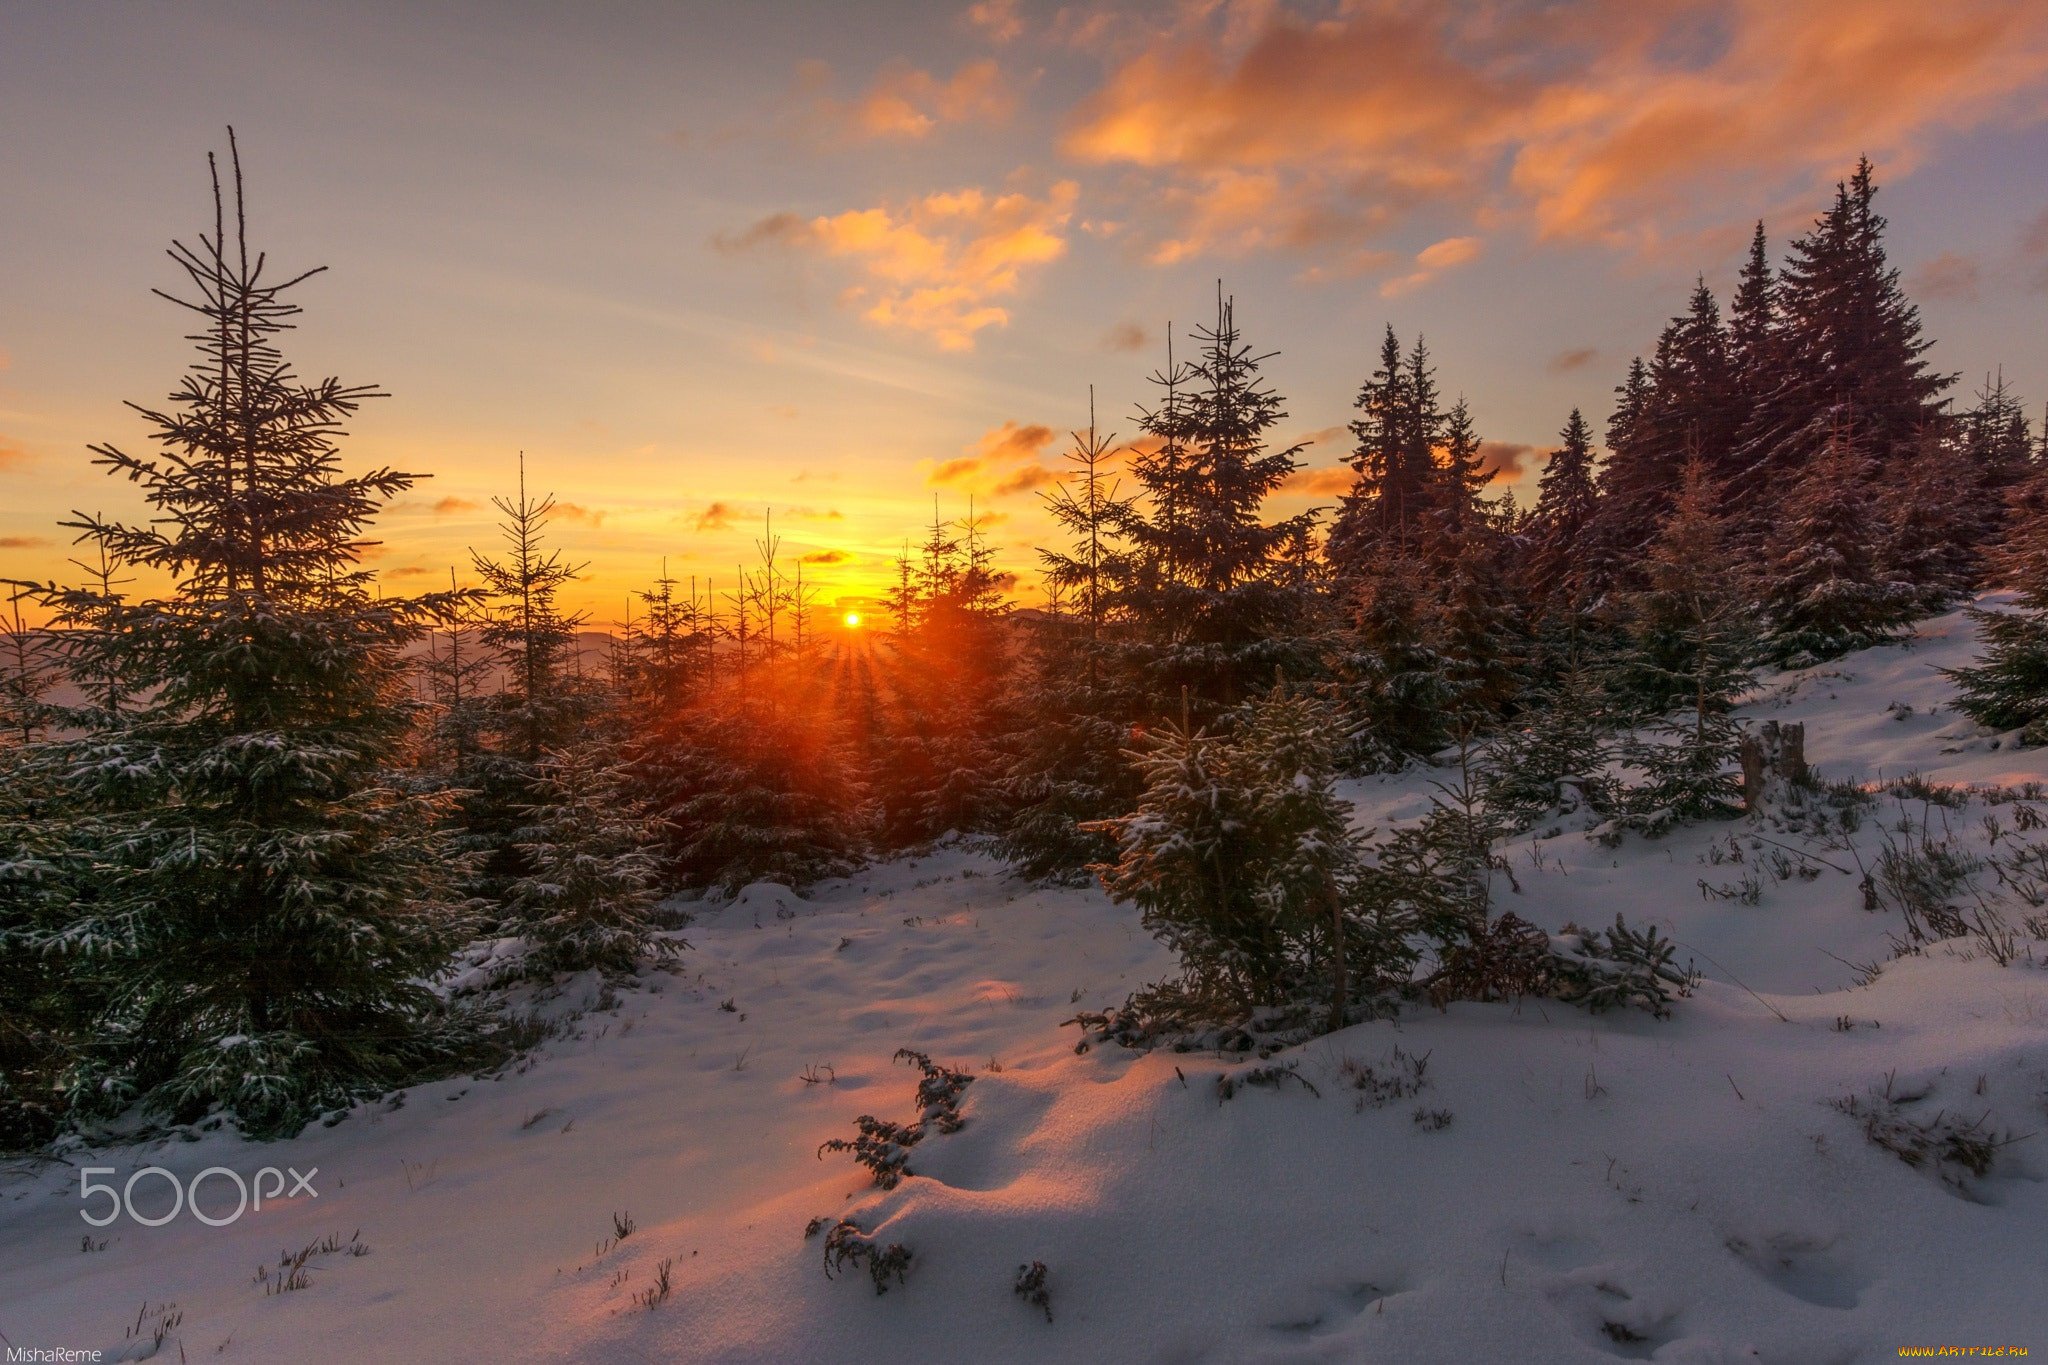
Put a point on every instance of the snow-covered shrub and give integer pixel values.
(884, 1146)
(1030, 1287)
(1506, 960)
(1613, 968)
(846, 1244)
(1951, 1145)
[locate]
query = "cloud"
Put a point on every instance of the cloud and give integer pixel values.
(816, 513)
(448, 507)
(1433, 261)
(1504, 461)
(2034, 248)
(1260, 126)
(11, 454)
(1126, 337)
(904, 103)
(717, 517)
(828, 557)
(1320, 482)
(408, 571)
(936, 265)
(775, 228)
(1951, 275)
(1002, 461)
(1566, 362)
(996, 18)
(576, 511)
(26, 542)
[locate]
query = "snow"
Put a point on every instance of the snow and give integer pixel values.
(1606, 1187)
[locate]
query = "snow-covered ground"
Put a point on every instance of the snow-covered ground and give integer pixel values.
(1561, 1187)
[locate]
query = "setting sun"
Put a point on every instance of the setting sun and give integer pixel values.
(853, 620)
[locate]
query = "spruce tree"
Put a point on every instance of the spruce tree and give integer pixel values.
(1240, 857)
(2007, 688)
(1066, 764)
(266, 903)
(1822, 586)
(1554, 563)
(1852, 355)
(1215, 600)
(1693, 640)
(586, 900)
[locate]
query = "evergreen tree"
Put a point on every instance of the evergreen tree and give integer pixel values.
(1066, 765)
(1555, 568)
(587, 898)
(28, 672)
(1933, 524)
(1393, 673)
(1755, 344)
(1852, 355)
(1693, 642)
(2007, 688)
(1821, 585)
(1399, 486)
(544, 704)
(1215, 601)
(1240, 857)
(1681, 407)
(265, 903)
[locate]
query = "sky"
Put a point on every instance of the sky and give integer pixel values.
(705, 264)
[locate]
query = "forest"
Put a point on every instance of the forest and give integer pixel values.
(254, 827)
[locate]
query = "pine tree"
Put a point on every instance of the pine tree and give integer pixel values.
(1679, 408)
(1066, 765)
(1394, 673)
(1852, 355)
(587, 898)
(1933, 524)
(1554, 568)
(1215, 602)
(1240, 857)
(1755, 343)
(543, 704)
(1821, 585)
(2007, 688)
(1693, 642)
(265, 903)
(28, 673)
(1398, 486)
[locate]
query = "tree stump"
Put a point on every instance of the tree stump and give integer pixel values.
(1772, 753)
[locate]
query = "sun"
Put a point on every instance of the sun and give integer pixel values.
(853, 620)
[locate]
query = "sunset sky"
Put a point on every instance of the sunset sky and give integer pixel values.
(700, 261)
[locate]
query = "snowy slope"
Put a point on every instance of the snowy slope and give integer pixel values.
(1610, 1186)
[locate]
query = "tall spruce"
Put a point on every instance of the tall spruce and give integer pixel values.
(266, 902)
(1822, 583)
(1215, 602)
(1066, 764)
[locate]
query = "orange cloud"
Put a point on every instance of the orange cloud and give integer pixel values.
(1565, 362)
(996, 18)
(1320, 483)
(574, 511)
(1433, 261)
(816, 513)
(717, 517)
(828, 557)
(904, 102)
(11, 454)
(1260, 126)
(1504, 461)
(935, 265)
(1125, 337)
(447, 507)
(1004, 460)
(1951, 275)
(25, 542)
